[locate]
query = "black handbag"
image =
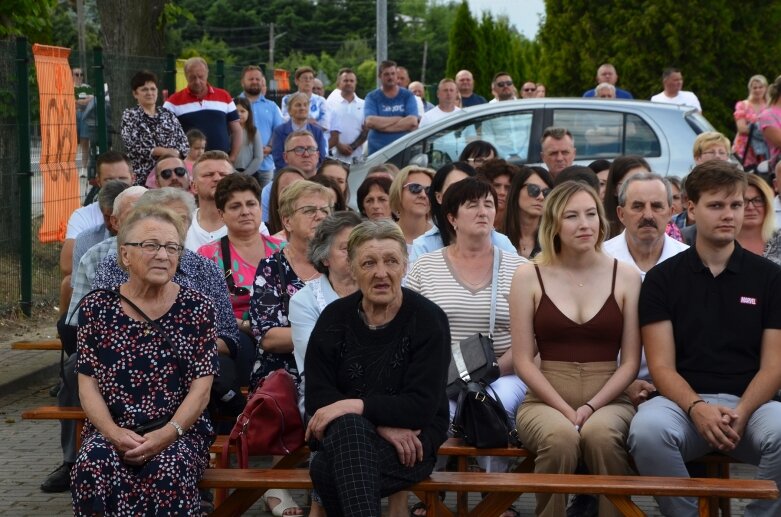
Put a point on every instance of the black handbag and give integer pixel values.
(473, 358)
(481, 419)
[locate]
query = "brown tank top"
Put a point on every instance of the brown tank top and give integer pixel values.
(561, 339)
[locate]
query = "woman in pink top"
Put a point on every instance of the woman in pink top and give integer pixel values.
(770, 121)
(238, 199)
(747, 112)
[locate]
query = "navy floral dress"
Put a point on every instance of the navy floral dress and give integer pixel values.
(139, 377)
(268, 310)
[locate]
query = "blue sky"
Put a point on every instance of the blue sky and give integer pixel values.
(524, 14)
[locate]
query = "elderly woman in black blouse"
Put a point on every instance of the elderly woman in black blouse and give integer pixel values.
(150, 131)
(376, 369)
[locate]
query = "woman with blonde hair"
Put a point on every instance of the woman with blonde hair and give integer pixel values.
(409, 201)
(770, 121)
(757, 234)
(746, 114)
(577, 308)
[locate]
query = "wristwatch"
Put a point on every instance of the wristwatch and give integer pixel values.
(179, 430)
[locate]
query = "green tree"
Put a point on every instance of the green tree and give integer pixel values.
(717, 46)
(465, 49)
(30, 18)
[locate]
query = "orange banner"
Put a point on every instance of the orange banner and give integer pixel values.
(60, 178)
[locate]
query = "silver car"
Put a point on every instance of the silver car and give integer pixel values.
(663, 134)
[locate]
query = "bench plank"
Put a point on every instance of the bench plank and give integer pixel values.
(503, 488)
(44, 344)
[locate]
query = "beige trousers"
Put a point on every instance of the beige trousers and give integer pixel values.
(601, 443)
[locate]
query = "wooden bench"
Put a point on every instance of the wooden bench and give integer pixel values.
(44, 344)
(502, 488)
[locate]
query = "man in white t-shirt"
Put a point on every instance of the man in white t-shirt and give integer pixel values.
(673, 93)
(207, 224)
(346, 111)
(111, 165)
(447, 94)
(644, 207)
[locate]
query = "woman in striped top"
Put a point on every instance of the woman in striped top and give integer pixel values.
(459, 279)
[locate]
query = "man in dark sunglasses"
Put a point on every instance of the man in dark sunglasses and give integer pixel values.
(502, 87)
(170, 172)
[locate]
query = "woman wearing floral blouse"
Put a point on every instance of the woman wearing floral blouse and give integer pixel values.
(150, 131)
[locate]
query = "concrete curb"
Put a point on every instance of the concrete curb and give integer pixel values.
(31, 377)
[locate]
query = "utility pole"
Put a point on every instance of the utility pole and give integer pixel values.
(382, 33)
(271, 43)
(423, 67)
(82, 41)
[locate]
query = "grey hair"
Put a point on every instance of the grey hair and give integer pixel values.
(605, 86)
(108, 194)
(197, 60)
(320, 246)
(165, 196)
(644, 176)
(135, 190)
(376, 230)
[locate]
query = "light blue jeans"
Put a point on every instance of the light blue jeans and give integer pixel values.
(662, 439)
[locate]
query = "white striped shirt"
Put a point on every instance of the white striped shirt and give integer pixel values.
(468, 310)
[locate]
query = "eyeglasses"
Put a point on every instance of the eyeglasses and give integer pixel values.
(310, 211)
(530, 89)
(756, 202)
(167, 173)
(301, 150)
(719, 154)
(503, 84)
(416, 188)
(78, 74)
(535, 190)
(152, 247)
(477, 161)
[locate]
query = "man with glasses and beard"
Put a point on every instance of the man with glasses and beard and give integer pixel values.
(502, 87)
(171, 172)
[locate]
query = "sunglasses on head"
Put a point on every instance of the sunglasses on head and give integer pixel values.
(167, 173)
(416, 188)
(535, 190)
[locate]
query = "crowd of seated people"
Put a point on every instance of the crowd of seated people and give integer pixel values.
(362, 308)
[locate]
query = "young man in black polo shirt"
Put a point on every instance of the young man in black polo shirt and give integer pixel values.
(711, 325)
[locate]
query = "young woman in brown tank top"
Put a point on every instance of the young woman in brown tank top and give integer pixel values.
(577, 307)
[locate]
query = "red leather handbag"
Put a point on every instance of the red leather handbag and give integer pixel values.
(270, 423)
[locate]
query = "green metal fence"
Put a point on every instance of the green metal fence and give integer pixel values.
(29, 269)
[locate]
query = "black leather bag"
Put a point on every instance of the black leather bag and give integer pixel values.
(477, 361)
(473, 358)
(481, 419)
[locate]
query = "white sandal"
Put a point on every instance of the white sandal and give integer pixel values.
(286, 502)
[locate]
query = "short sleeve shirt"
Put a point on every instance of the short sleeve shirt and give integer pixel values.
(378, 105)
(717, 321)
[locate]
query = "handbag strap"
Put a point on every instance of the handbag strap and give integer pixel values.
(494, 290)
(283, 291)
(225, 250)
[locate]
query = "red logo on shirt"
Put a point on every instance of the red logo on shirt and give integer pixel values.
(746, 300)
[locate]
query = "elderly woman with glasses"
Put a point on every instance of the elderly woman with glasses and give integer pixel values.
(239, 253)
(302, 207)
(149, 131)
(147, 358)
(409, 201)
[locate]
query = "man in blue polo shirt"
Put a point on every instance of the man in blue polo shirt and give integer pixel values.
(390, 111)
(606, 73)
(202, 106)
(710, 319)
(266, 115)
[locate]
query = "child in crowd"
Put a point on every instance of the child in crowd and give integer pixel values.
(251, 153)
(197, 141)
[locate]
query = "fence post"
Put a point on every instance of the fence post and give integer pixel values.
(24, 176)
(170, 73)
(220, 73)
(100, 99)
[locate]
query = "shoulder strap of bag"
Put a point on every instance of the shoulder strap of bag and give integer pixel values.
(226, 263)
(494, 290)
